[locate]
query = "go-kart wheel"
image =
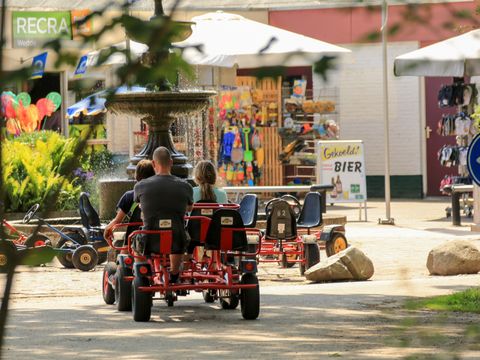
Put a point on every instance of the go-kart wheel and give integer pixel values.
(102, 257)
(170, 298)
(336, 244)
(228, 300)
(251, 249)
(311, 253)
(208, 296)
(284, 261)
(8, 255)
(85, 258)
(250, 298)
(141, 301)
(123, 290)
(38, 240)
(65, 258)
(107, 289)
(28, 216)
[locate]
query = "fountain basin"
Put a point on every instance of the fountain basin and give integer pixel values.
(110, 193)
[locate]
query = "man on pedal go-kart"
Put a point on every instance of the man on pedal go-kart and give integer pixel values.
(164, 197)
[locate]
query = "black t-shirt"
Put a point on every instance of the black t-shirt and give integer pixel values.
(125, 204)
(163, 195)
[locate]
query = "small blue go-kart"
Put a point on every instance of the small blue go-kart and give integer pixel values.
(77, 250)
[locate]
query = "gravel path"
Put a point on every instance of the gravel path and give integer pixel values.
(59, 314)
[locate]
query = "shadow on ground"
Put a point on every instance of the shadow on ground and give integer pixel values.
(306, 326)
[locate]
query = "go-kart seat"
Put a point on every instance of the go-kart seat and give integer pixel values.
(249, 210)
(196, 228)
(226, 231)
(88, 214)
(311, 214)
(281, 222)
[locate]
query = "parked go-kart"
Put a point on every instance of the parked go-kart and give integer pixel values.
(288, 237)
(216, 273)
(18, 243)
(74, 251)
(89, 233)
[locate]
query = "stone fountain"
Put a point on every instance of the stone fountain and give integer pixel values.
(158, 109)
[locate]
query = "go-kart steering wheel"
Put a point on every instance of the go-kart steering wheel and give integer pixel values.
(294, 204)
(28, 216)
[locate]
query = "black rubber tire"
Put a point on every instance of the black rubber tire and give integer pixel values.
(85, 258)
(8, 255)
(332, 248)
(284, 263)
(250, 298)
(108, 292)
(208, 296)
(39, 237)
(123, 290)
(66, 258)
(170, 298)
(311, 252)
(251, 248)
(102, 257)
(231, 303)
(141, 301)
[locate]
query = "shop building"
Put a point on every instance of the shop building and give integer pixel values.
(357, 83)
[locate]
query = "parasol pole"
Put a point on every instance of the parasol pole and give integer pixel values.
(388, 220)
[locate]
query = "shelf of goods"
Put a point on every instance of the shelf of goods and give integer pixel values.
(306, 121)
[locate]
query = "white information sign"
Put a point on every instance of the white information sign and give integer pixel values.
(342, 164)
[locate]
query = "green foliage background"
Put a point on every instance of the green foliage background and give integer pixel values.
(33, 165)
(36, 166)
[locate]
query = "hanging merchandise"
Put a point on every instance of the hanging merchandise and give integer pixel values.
(237, 151)
(453, 155)
(457, 94)
(241, 113)
(248, 154)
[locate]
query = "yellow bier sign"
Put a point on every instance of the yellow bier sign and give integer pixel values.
(341, 163)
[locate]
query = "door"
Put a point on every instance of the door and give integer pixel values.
(435, 171)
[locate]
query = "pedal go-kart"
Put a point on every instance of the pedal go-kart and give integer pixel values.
(288, 237)
(21, 239)
(73, 251)
(23, 246)
(221, 272)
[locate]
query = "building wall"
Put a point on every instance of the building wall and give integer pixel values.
(360, 81)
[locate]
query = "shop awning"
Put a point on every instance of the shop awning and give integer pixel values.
(458, 56)
(229, 39)
(136, 50)
(95, 103)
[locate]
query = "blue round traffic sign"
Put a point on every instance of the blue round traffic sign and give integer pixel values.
(473, 159)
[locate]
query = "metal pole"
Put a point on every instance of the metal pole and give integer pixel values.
(388, 220)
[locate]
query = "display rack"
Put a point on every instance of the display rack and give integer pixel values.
(300, 167)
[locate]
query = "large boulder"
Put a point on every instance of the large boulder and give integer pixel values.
(453, 258)
(349, 264)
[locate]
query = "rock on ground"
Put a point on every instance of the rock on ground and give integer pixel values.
(349, 264)
(454, 258)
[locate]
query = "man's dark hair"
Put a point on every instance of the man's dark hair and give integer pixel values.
(162, 156)
(144, 170)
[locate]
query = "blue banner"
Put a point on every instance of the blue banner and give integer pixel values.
(81, 67)
(38, 65)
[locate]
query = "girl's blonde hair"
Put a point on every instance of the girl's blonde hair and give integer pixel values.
(206, 177)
